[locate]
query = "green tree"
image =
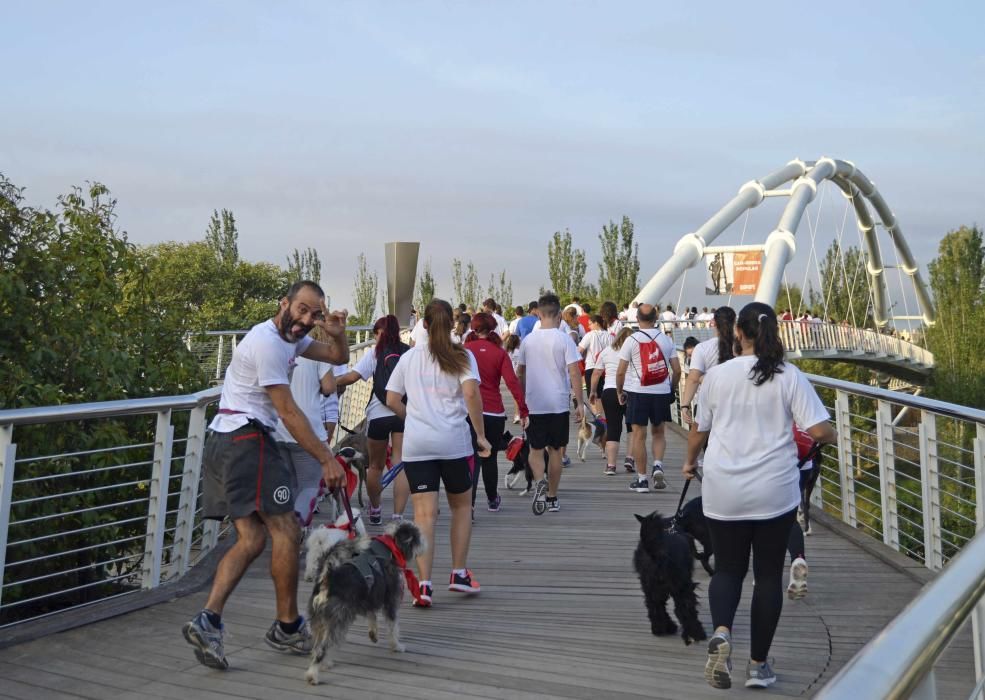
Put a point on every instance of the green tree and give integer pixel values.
(222, 236)
(425, 288)
(304, 265)
(466, 284)
(844, 286)
(957, 277)
(619, 271)
(501, 289)
(560, 263)
(364, 293)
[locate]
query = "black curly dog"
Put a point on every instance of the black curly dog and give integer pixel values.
(665, 566)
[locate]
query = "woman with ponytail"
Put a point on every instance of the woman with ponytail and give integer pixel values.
(383, 428)
(750, 491)
(441, 383)
(706, 355)
(494, 366)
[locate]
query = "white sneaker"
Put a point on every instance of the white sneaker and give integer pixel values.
(798, 579)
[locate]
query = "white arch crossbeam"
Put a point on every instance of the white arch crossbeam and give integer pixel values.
(781, 245)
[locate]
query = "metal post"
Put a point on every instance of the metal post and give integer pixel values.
(8, 460)
(978, 614)
(158, 502)
(887, 474)
(843, 423)
(190, 477)
(931, 496)
(210, 535)
(218, 361)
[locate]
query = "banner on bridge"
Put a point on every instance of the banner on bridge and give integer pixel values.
(733, 272)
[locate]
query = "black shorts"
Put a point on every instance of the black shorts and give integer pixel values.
(245, 472)
(456, 474)
(647, 408)
(548, 430)
(381, 428)
(615, 412)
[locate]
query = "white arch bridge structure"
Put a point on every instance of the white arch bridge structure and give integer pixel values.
(878, 348)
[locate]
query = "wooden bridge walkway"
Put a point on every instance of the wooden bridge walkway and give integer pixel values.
(560, 616)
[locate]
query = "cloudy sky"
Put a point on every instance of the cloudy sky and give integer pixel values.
(479, 128)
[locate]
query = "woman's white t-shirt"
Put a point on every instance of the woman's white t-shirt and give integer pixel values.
(546, 354)
(306, 391)
(365, 367)
(609, 361)
(703, 358)
(751, 460)
(593, 344)
(435, 426)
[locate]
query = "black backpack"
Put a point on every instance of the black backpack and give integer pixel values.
(384, 368)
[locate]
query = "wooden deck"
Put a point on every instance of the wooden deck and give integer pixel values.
(560, 616)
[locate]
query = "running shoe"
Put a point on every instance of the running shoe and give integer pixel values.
(540, 496)
(299, 642)
(566, 462)
(207, 640)
(509, 481)
(424, 596)
(494, 504)
(553, 505)
(759, 675)
(516, 419)
(629, 464)
(397, 517)
(797, 588)
(639, 485)
(718, 667)
(658, 478)
(375, 516)
(463, 584)
(610, 470)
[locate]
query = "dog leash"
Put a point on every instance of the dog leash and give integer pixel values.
(811, 454)
(390, 475)
(348, 430)
(680, 503)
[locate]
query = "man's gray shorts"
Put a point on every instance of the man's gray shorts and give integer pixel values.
(245, 472)
(307, 474)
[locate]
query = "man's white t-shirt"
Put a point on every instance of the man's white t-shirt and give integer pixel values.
(365, 367)
(306, 390)
(261, 359)
(546, 354)
(435, 426)
(330, 403)
(593, 344)
(630, 351)
(631, 314)
(500, 324)
(419, 336)
(750, 467)
(609, 361)
(668, 316)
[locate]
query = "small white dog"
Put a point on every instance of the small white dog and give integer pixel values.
(322, 538)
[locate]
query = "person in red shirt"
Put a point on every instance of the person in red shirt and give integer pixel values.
(494, 365)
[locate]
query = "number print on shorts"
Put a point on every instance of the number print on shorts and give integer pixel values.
(282, 495)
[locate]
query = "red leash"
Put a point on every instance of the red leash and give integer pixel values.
(412, 583)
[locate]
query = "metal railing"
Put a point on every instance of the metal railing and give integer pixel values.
(804, 340)
(102, 500)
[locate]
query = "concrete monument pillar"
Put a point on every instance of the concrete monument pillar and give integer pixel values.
(401, 274)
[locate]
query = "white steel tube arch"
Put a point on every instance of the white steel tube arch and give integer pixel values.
(781, 243)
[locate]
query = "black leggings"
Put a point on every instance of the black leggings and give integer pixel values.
(494, 426)
(614, 413)
(731, 541)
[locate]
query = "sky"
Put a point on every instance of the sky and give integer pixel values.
(480, 128)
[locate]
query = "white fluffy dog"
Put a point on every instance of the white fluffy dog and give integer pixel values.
(321, 539)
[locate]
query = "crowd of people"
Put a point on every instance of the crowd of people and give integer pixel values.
(436, 413)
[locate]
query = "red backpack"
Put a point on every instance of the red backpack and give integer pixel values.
(654, 365)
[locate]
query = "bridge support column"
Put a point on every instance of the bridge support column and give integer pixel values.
(8, 458)
(843, 424)
(887, 474)
(158, 502)
(191, 476)
(931, 495)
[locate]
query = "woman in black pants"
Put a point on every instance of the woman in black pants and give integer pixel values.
(494, 366)
(750, 490)
(605, 368)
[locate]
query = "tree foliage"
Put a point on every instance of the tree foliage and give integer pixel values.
(619, 270)
(957, 277)
(465, 283)
(566, 266)
(425, 288)
(222, 237)
(844, 287)
(304, 265)
(501, 289)
(364, 293)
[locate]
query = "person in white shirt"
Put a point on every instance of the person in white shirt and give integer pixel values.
(245, 476)
(648, 372)
(667, 319)
(750, 490)
(419, 334)
(610, 315)
(310, 382)
(631, 313)
(330, 404)
(549, 372)
(384, 428)
(706, 355)
(592, 345)
(441, 383)
(511, 328)
(490, 307)
(607, 366)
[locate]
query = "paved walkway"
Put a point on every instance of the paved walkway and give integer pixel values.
(560, 616)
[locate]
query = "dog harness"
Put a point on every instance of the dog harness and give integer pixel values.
(369, 563)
